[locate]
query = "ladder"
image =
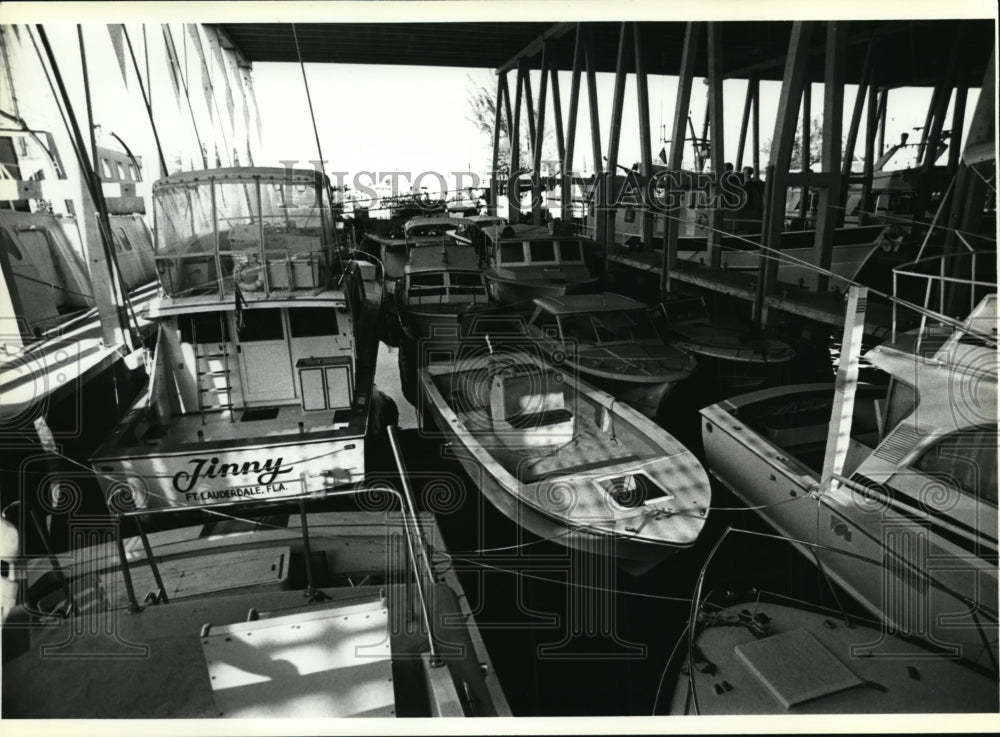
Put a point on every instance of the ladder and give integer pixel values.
(204, 368)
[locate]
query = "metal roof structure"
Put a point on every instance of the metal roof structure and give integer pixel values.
(907, 52)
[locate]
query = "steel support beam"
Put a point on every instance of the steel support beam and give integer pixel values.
(717, 149)
(806, 145)
(689, 54)
(645, 136)
(614, 138)
(497, 120)
(514, 183)
(536, 185)
(574, 104)
(781, 155)
(852, 131)
(744, 124)
(830, 201)
(595, 128)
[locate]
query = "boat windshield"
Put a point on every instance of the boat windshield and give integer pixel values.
(213, 228)
(624, 325)
(429, 230)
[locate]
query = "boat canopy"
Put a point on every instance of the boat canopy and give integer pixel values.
(254, 229)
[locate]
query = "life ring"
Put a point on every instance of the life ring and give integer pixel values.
(248, 277)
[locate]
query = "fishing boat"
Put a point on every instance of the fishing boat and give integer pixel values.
(908, 476)
(769, 651)
(471, 231)
(262, 381)
(522, 262)
(394, 248)
(42, 255)
(249, 615)
(439, 287)
(738, 358)
(566, 461)
(609, 340)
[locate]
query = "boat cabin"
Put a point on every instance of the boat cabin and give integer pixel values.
(590, 319)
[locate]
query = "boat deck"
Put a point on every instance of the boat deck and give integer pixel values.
(159, 662)
(590, 447)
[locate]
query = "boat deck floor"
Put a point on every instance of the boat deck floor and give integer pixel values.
(590, 447)
(153, 664)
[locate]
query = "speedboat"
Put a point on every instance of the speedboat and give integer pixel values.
(566, 461)
(609, 340)
(918, 481)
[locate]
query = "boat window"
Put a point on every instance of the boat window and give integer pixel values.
(310, 322)
(967, 459)
(543, 251)
(545, 323)
(261, 325)
(430, 279)
(120, 234)
(569, 251)
(899, 404)
(9, 246)
(511, 253)
(206, 327)
(465, 282)
(578, 327)
(631, 325)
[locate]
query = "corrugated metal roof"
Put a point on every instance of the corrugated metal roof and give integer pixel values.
(908, 52)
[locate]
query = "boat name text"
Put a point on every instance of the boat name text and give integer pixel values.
(210, 468)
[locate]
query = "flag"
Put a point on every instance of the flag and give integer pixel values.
(206, 79)
(663, 154)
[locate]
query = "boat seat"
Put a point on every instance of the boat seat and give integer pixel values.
(528, 409)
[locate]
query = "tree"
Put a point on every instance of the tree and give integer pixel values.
(815, 146)
(482, 114)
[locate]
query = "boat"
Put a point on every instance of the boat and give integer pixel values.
(42, 253)
(564, 460)
(769, 651)
(440, 286)
(918, 485)
(394, 248)
(522, 262)
(254, 614)
(262, 380)
(737, 357)
(609, 340)
(470, 232)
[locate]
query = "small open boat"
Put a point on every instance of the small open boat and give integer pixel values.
(781, 649)
(567, 461)
(522, 262)
(610, 341)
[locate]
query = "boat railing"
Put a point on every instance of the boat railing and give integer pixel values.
(944, 288)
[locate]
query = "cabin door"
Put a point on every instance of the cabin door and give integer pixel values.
(265, 363)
